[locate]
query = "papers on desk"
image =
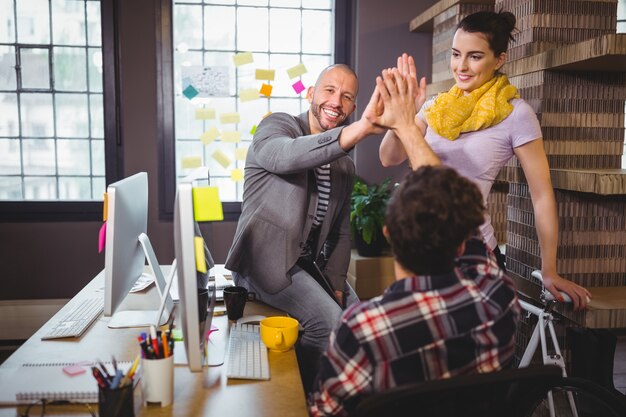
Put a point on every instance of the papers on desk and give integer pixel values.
(221, 276)
(143, 282)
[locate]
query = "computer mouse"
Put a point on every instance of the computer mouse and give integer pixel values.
(254, 319)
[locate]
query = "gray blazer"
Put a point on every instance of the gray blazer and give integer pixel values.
(280, 199)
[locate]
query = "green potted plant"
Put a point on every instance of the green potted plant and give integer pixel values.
(367, 215)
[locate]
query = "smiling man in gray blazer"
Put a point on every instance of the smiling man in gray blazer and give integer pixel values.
(296, 203)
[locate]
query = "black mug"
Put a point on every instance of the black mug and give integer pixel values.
(235, 298)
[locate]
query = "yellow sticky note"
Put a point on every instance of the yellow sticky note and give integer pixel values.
(105, 208)
(210, 135)
(205, 114)
(297, 71)
(242, 58)
(240, 154)
(221, 158)
(264, 74)
(248, 94)
(198, 245)
(226, 118)
(266, 90)
(266, 114)
(236, 175)
(191, 162)
(231, 136)
(206, 204)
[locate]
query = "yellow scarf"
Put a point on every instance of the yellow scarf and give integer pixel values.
(453, 113)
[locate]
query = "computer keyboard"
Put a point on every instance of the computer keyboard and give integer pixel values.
(247, 355)
(77, 320)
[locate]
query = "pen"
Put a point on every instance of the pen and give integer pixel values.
(104, 370)
(99, 377)
(116, 379)
(114, 362)
(155, 343)
(143, 346)
(166, 350)
(131, 372)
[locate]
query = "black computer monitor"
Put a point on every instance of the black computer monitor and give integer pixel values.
(127, 248)
(197, 297)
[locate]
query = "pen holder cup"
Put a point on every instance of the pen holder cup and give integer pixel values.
(157, 380)
(116, 402)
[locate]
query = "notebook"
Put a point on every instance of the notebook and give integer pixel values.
(52, 381)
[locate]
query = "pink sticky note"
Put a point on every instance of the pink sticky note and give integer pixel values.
(213, 329)
(298, 86)
(102, 237)
(73, 370)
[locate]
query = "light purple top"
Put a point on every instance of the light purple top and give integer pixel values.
(480, 155)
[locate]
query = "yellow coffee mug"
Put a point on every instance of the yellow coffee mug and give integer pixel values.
(279, 333)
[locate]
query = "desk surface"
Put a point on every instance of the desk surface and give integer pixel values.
(207, 393)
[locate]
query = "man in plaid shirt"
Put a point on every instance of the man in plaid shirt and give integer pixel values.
(451, 311)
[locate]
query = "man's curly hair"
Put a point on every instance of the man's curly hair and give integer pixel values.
(429, 216)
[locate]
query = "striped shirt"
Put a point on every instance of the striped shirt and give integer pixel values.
(322, 175)
(422, 328)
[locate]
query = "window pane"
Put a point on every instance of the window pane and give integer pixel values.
(96, 108)
(285, 3)
(287, 105)
(33, 21)
(73, 157)
(70, 72)
(10, 188)
(218, 1)
(68, 22)
(40, 188)
(315, 64)
(7, 21)
(252, 2)
(188, 24)
(35, 67)
(285, 30)
(317, 4)
(316, 31)
(97, 157)
(98, 187)
(11, 153)
(255, 39)
(186, 124)
(95, 69)
(7, 68)
(219, 27)
(282, 86)
(37, 115)
(39, 156)
(72, 115)
(9, 125)
(74, 188)
(94, 30)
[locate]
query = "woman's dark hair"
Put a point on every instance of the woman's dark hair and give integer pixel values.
(498, 27)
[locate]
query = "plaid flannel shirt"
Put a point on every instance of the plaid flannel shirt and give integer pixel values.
(422, 328)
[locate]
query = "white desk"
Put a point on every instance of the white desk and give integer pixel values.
(206, 393)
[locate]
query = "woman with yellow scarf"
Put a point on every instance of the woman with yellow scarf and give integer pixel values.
(476, 127)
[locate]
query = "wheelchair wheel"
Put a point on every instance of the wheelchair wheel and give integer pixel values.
(577, 397)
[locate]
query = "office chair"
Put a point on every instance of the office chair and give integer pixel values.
(511, 392)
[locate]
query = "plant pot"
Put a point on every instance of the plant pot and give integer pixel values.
(373, 249)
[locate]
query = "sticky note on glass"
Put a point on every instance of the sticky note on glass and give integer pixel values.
(240, 154)
(231, 136)
(236, 175)
(297, 71)
(210, 135)
(105, 207)
(205, 114)
(190, 92)
(226, 118)
(248, 94)
(262, 74)
(266, 90)
(266, 114)
(253, 130)
(102, 237)
(242, 58)
(198, 245)
(191, 162)
(298, 86)
(206, 204)
(221, 158)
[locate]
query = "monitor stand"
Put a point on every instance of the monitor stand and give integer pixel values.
(148, 317)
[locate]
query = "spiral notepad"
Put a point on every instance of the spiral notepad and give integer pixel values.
(36, 381)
